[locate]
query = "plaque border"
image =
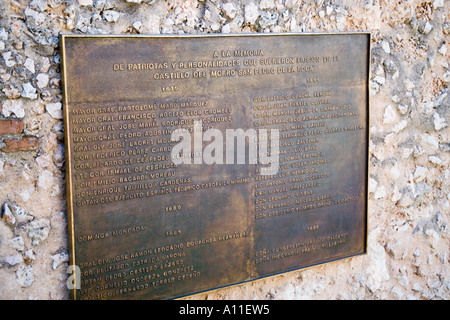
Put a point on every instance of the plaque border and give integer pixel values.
(68, 170)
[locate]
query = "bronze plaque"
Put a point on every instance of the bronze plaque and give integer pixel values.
(153, 215)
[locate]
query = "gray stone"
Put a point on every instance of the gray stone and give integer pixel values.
(372, 185)
(226, 28)
(390, 66)
(443, 49)
(425, 28)
(230, 10)
(438, 4)
(29, 91)
(54, 3)
(267, 4)
(380, 80)
(377, 271)
(446, 77)
(17, 243)
(59, 259)
(397, 292)
(37, 230)
(435, 160)
(417, 287)
(42, 80)
(251, 13)
(268, 19)
(59, 156)
(20, 214)
(400, 126)
(85, 3)
(430, 141)
(407, 198)
(55, 110)
(9, 61)
(13, 107)
(385, 46)
(403, 109)
(26, 194)
(396, 195)
(29, 64)
(25, 275)
(13, 260)
(439, 122)
(446, 28)
(390, 115)
(380, 192)
(46, 180)
(137, 25)
(111, 16)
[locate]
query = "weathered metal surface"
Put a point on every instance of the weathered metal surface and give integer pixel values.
(142, 227)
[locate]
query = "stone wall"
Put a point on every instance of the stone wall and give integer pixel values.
(408, 250)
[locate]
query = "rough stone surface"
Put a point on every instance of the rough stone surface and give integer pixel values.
(409, 191)
(55, 110)
(13, 107)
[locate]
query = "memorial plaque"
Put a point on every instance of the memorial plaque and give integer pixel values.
(197, 162)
